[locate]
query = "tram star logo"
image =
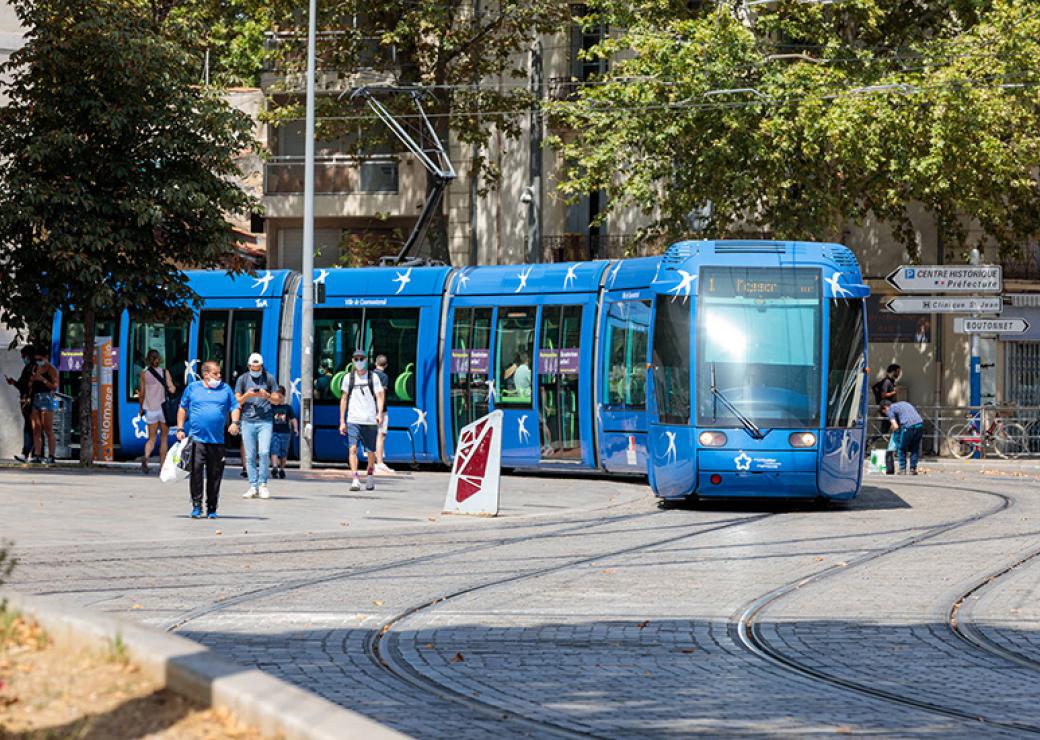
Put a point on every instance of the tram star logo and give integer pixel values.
(403, 278)
(420, 420)
(685, 286)
(671, 454)
(571, 277)
(523, 275)
(140, 428)
(742, 461)
(837, 289)
(521, 430)
(264, 281)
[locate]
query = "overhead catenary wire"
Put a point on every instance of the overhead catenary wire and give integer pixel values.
(1002, 82)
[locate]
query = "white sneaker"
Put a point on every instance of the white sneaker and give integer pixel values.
(370, 483)
(264, 492)
(251, 493)
(355, 485)
(384, 468)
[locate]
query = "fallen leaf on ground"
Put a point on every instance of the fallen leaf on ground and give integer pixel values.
(459, 658)
(136, 606)
(609, 571)
(377, 602)
(219, 532)
(642, 625)
(689, 650)
(843, 730)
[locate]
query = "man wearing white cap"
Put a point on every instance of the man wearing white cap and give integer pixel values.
(253, 391)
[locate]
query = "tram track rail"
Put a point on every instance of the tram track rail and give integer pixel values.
(383, 645)
(962, 624)
(469, 547)
(747, 630)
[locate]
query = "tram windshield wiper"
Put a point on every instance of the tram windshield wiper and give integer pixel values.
(752, 428)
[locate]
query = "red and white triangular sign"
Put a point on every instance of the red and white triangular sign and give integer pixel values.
(478, 467)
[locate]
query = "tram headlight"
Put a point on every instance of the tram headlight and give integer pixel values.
(802, 439)
(712, 439)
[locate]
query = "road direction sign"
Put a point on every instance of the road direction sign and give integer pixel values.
(947, 279)
(990, 326)
(939, 304)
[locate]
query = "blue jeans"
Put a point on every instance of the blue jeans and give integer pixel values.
(256, 437)
(910, 441)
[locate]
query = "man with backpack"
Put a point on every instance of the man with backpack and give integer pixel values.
(361, 405)
(253, 391)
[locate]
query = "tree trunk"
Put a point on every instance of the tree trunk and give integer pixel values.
(86, 432)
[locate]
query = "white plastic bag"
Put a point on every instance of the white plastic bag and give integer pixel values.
(171, 471)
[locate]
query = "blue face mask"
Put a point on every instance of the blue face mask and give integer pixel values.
(25, 360)
(360, 364)
(255, 373)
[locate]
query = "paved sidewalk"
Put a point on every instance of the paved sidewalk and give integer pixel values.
(585, 608)
(41, 506)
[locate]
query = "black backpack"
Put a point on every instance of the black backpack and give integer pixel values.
(879, 388)
(350, 390)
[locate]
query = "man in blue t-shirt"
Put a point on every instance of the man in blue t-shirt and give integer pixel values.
(908, 426)
(205, 405)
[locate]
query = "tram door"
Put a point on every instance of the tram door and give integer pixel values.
(470, 367)
(229, 337)
(558, 387)
(671, 445)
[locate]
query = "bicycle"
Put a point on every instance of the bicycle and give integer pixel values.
(1007, 439)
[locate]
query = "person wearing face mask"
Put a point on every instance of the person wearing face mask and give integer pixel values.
(253, 391)
(361, 405)
(205, 405)
(25, 400)
(43, 381)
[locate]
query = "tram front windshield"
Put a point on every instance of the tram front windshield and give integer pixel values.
(758, 339)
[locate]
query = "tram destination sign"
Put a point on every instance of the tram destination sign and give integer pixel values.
(990, 326)
(940, 304)
(947, 279)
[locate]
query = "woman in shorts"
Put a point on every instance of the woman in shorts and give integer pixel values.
(42, 383)
(152, 391)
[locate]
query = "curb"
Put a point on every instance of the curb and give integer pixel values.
(274, 707)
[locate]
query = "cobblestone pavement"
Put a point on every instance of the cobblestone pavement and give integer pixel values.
(585, 609)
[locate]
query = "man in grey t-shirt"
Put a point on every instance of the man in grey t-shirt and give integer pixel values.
(253, 391)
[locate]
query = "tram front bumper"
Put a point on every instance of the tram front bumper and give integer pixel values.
(759, 473)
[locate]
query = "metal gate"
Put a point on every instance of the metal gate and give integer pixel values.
(1023, 373)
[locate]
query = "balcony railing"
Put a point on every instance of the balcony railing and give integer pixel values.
(284, 176)
(1025, 265)
(578, 247)
(564, 88)
(368, 52)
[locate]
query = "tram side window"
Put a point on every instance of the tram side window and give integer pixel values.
(671, 360)
(514, 348)
(628, 324)
(169, 340)
(395, 333)
(845, 379)
(337, 333)
(245, 340)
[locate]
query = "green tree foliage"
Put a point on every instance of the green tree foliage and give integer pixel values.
(231, 31)
(448, 46)
(115, 172)
(797, 119)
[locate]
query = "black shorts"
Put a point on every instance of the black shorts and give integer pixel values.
(365, 434)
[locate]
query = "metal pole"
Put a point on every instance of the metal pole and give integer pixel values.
(307, 325)
(975, 384)
(534, 234)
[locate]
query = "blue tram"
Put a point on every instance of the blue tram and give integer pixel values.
(727, 368)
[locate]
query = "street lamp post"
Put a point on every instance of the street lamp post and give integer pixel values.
(307, 325)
